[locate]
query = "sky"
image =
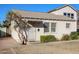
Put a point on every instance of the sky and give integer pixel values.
(5, 8)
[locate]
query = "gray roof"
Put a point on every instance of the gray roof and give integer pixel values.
(40, 15)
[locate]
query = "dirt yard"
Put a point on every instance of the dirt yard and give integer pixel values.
(7, 42)
(9, 46)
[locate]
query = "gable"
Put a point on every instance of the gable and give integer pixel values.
(66, 9)
(62, 8)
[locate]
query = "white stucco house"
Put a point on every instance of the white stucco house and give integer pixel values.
(56, 22)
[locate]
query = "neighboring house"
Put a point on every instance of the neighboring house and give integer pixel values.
(2, 32)
(56, 22)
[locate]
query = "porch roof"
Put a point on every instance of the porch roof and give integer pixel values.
(36, 23)
(41, 15)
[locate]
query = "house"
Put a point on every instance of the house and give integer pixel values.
(56, 22)
(2, 31)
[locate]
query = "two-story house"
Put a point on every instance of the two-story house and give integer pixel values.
(56, 22)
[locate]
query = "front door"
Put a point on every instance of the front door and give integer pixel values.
(31, 34)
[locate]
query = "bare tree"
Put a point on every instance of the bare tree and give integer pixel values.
(22, 26)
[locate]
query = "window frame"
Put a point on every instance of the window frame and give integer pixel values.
(72, 15)
(69, 14)
(47, 27)
(54, 27)
(67, 25)
(65, 14)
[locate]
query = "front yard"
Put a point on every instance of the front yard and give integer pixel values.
(51, 47)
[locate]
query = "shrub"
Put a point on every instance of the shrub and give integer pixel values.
(65, 37)
(74, 35)
(47, 38)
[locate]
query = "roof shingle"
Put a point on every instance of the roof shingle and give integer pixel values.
(40, 15)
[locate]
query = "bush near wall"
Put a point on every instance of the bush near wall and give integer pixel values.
(65, 37)
(47, 38)
(51, 38)
(74, 35)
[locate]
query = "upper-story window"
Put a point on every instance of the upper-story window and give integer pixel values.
(46, 27)
(64, 14)
(71, 15)
(68, 14)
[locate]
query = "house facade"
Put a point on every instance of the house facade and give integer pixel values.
(55, 22)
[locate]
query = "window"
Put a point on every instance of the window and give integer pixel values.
(53, 27)
(46, 27)
(72, 16)
(68, 14)
(67, 25)
(64, 14)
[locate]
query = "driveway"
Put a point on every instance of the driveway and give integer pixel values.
(62, 47)
(7, 42)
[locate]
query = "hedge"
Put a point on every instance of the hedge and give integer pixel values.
(74, 35)
(47, 38)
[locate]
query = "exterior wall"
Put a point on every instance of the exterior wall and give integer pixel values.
(39, 33)
(66, 9)
(14, 33)
(61, 28)
(2, 31)
(33, 33)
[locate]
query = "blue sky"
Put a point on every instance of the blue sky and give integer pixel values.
(4, 8)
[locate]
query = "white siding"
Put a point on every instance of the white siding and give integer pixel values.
(14, 33)
(38, 34)
(33, 33)
(61, 28)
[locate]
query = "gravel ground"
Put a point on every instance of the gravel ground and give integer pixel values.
(62, 47)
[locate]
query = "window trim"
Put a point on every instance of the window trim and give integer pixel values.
(65, 14)
(67, 25)
(53, 27)
(71, 15)
(47, 27)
